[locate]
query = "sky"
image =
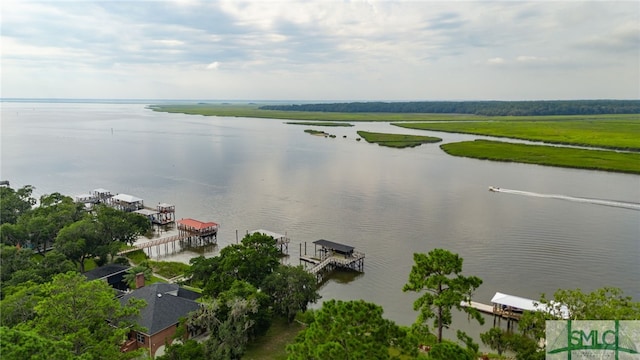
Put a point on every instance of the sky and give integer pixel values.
(320, 50)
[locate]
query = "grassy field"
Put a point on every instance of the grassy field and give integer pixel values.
(546, 155)
(319, 123)
(273, 344)
(168, 269)
(606, 133)
(397, 140)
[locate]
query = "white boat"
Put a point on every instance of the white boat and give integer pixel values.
(493, 188)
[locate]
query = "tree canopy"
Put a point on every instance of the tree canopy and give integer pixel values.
(348, 330)
(291, 290)
(487, 108)
(14, 203)
(439, 275)
(229, 327)
(252, 261)
(83, 316)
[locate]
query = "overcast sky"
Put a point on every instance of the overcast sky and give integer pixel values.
(324, 50)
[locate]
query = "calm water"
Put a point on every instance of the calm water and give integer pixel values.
(248, 174)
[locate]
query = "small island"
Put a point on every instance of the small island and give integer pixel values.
(319, 123)
(319, 133)
(397, 140)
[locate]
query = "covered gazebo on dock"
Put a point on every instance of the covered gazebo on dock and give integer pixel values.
(126, 202)
(202, 232)
(329, 248)
(332, 255)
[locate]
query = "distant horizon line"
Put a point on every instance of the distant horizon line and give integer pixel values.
(254, 101)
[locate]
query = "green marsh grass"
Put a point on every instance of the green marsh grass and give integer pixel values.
(397, 140)
(606, 133)
(546, 155)
(319, 123)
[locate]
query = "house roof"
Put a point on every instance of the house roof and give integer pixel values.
(166, 304)
(127, 198)
(105, 271)
(334, 246)
(198, 225)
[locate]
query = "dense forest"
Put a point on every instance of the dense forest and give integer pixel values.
(485, 108)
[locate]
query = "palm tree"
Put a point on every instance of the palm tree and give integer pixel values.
(130, 276)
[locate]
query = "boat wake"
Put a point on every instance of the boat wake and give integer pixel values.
(613, 203)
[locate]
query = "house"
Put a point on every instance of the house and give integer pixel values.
(166, 305)
(113, 274)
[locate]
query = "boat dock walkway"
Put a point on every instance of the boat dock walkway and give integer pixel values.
(484, 308)
(149, 244)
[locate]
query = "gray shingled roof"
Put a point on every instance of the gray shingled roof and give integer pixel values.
(105, 271)
(166, 304)
(334, 246)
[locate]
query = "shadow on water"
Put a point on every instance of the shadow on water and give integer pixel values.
(341, 276)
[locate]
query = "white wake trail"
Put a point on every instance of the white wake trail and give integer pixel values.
(613, 203)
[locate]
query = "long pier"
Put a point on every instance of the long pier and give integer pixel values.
(157, 242)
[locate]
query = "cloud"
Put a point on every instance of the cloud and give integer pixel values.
(350, 49)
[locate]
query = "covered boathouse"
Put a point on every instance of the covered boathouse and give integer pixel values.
(329, 255)
(195, 232)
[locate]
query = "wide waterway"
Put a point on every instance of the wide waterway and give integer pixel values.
(249, 174)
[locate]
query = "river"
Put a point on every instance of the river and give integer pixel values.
(248, 174)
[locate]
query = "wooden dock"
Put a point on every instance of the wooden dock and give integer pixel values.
(491, 310)
(483, 308)
(190, 233)
(353, 262)
(157, 242)
(330, 256)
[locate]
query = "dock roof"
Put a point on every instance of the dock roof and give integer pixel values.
(514, 301)
(146, 212)
(198, 225)
(127, 198)
(334, 246)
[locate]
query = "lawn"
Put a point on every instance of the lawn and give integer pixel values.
(273, 344)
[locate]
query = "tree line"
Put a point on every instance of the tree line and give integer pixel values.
(484, 108)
